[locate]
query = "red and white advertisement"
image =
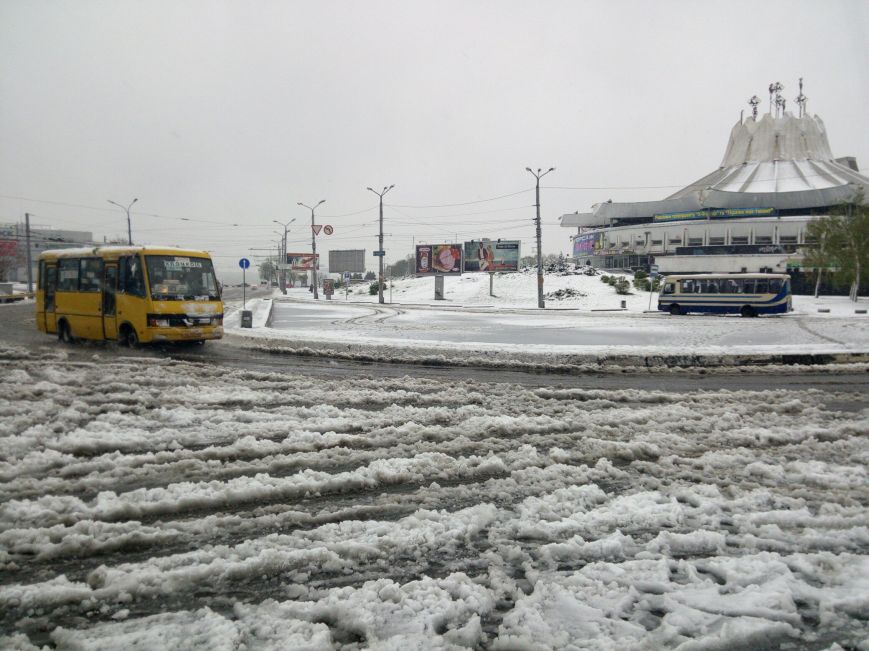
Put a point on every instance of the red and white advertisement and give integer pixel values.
(8, 248)
(438, 260)
(302, 261)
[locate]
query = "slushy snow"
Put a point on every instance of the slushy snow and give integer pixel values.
(176, 505)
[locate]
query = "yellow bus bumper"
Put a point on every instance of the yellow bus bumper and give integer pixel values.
(183, 334)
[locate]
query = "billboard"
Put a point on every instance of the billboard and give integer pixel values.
(585, 244)
(438, 260)
(491, 255)
(352, 260)
(302, 261)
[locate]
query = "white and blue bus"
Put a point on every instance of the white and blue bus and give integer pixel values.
(744, 294)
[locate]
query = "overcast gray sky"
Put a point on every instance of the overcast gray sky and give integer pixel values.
(220, 116)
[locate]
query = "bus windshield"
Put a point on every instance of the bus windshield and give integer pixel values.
(175, 278)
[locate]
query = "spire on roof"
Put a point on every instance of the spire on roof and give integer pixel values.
(754, 101)
(801, 99)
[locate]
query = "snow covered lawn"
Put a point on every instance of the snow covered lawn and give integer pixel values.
(567, 290)
(174, 505)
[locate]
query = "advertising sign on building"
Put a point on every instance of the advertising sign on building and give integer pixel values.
(585, 244)
(352, 260)
(491, 255)
(715, 213)
(302, 261)
(438, 260)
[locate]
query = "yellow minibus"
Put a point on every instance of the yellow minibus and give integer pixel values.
(130, 294)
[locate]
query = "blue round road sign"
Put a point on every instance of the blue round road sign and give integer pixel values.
(244, 263)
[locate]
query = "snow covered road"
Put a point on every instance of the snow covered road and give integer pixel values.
(179, 505)
(563, 331)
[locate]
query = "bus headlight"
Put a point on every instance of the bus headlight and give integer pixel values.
(158, 323)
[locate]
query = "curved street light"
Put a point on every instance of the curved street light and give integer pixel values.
(539, 174)
(313, 246)
(127, 210)
(380, 251)
(284, 253)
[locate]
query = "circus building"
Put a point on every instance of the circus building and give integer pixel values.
(751, 214)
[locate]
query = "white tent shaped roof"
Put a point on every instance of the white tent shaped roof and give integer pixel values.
(783, 163)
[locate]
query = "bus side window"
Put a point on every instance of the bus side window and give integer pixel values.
(711, 286)
(731, 286)
(90, 274)
(688, 286)
(774, 285)
(748, 285)
(67, 273)
(762, 286)
(132, 280)
(668, 288)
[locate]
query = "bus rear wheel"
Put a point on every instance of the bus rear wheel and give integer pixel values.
(64, 334)
(675, 310)
(747, 311)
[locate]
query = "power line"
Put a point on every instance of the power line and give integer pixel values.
(463, 203)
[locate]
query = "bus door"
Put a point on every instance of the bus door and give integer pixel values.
(109, 308)
(50, 308)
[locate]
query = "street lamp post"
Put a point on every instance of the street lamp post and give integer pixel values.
(313, 248)
(380, 251)
(538, 176)
(283, 259)
(126, 210)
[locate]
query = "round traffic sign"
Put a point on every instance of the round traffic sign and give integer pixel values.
(328, 230)
(244, 263)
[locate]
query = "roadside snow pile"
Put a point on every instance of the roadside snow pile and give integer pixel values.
(172, 505)
(561, 294)
(261, 309)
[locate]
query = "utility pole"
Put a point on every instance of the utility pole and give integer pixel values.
(380, 251)
(538, 176)
(29, 260)
(282, 260)
(313, 248)
(126, 210)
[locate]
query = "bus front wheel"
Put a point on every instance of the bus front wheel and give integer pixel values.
(131, 339)
(675, 310)
(747, 311)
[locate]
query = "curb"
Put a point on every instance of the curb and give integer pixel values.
(555, 363)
